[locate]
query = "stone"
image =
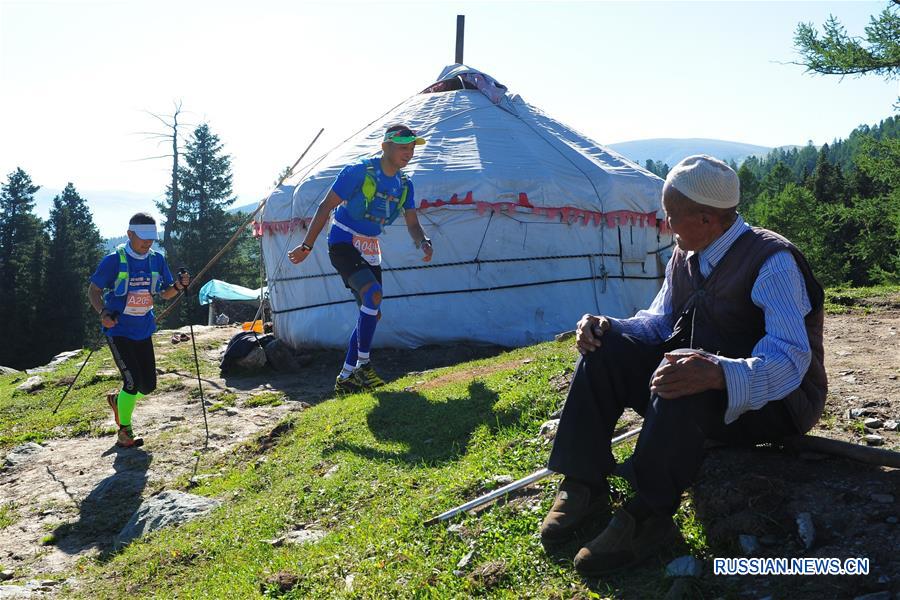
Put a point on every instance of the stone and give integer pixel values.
(298, 537)
(222, 319)
(873, 423)
(685, 566)
(806, 530)
(873, 440)
(8, 370)
(168, 508)
(749, 544)
(548, 428)
(891, 425)
(14, 591)
(883, 498)
(892, 520)
(464, 561)
(22, 453)
(7, 575)
(565, 335)
(57, 360)
(855, 413)
(31, 385)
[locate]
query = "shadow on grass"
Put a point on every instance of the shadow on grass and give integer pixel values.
(109, 506)
(433, 432)
(314, 382)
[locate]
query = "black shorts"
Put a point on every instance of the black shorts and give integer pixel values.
(353, 268)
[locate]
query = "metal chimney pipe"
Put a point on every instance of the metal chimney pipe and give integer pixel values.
(460, 34)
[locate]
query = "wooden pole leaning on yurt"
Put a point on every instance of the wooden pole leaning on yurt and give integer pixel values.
(460, 35)
(230, 243)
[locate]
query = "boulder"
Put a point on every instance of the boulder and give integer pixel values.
(31, 385)
(22, 453)
(168, 508)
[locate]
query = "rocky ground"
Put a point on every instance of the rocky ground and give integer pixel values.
(81, 491)
(848, 508)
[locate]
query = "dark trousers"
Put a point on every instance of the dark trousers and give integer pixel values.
(669, 450)
(136, 361)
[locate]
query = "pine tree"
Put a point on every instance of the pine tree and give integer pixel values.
(827, 180)
(22, 249)
(837, 53)
(203, 226)
(75, 250)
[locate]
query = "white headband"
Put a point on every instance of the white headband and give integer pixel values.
(145, 232)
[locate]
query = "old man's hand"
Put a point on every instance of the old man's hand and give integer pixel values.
(589, 331)
(684, 373)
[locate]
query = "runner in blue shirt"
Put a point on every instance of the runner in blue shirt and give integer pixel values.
(366, 197)
(121, 291)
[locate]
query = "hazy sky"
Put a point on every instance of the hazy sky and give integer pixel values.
(77, 77)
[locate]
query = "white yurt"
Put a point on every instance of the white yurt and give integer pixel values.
(533, 225)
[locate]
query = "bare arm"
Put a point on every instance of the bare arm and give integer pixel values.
(418, 234)
(328, 204)
(95, 296)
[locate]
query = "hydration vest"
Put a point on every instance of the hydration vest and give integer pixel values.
(120, 288)
(393, 205)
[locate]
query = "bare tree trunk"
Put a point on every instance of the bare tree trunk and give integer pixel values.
(171, 123)
(172, 213)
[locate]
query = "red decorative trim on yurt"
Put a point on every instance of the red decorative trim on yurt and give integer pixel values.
(563, 214)
(271, 227)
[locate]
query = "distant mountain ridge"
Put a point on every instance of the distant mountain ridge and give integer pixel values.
(672, 150)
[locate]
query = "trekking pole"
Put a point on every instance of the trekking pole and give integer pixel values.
(515, 485)
(181, 272)
(91, 353)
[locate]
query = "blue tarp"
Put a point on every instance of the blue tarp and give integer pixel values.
(223, 290)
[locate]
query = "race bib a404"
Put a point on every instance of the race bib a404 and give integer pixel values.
(369, 248)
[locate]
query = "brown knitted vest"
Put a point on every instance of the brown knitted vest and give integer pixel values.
(719, 316)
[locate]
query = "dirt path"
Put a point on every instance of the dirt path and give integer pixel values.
(83, 490)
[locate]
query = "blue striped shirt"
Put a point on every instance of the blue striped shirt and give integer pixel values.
(779, 360)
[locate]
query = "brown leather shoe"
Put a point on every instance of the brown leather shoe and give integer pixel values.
(624, 543)
(574, 505)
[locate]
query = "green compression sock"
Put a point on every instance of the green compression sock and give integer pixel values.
(126, 404)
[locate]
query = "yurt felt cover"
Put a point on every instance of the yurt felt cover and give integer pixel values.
(533, 225)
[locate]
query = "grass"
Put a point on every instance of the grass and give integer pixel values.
(28, 417)
(843, 299)
(8, 515)
(264, 399)
(368, 470)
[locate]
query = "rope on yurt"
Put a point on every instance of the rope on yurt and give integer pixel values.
(466, 291)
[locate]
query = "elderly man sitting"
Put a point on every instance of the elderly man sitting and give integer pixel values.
(730, 350)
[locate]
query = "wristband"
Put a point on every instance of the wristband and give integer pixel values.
(423, 242)
(306, 247)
